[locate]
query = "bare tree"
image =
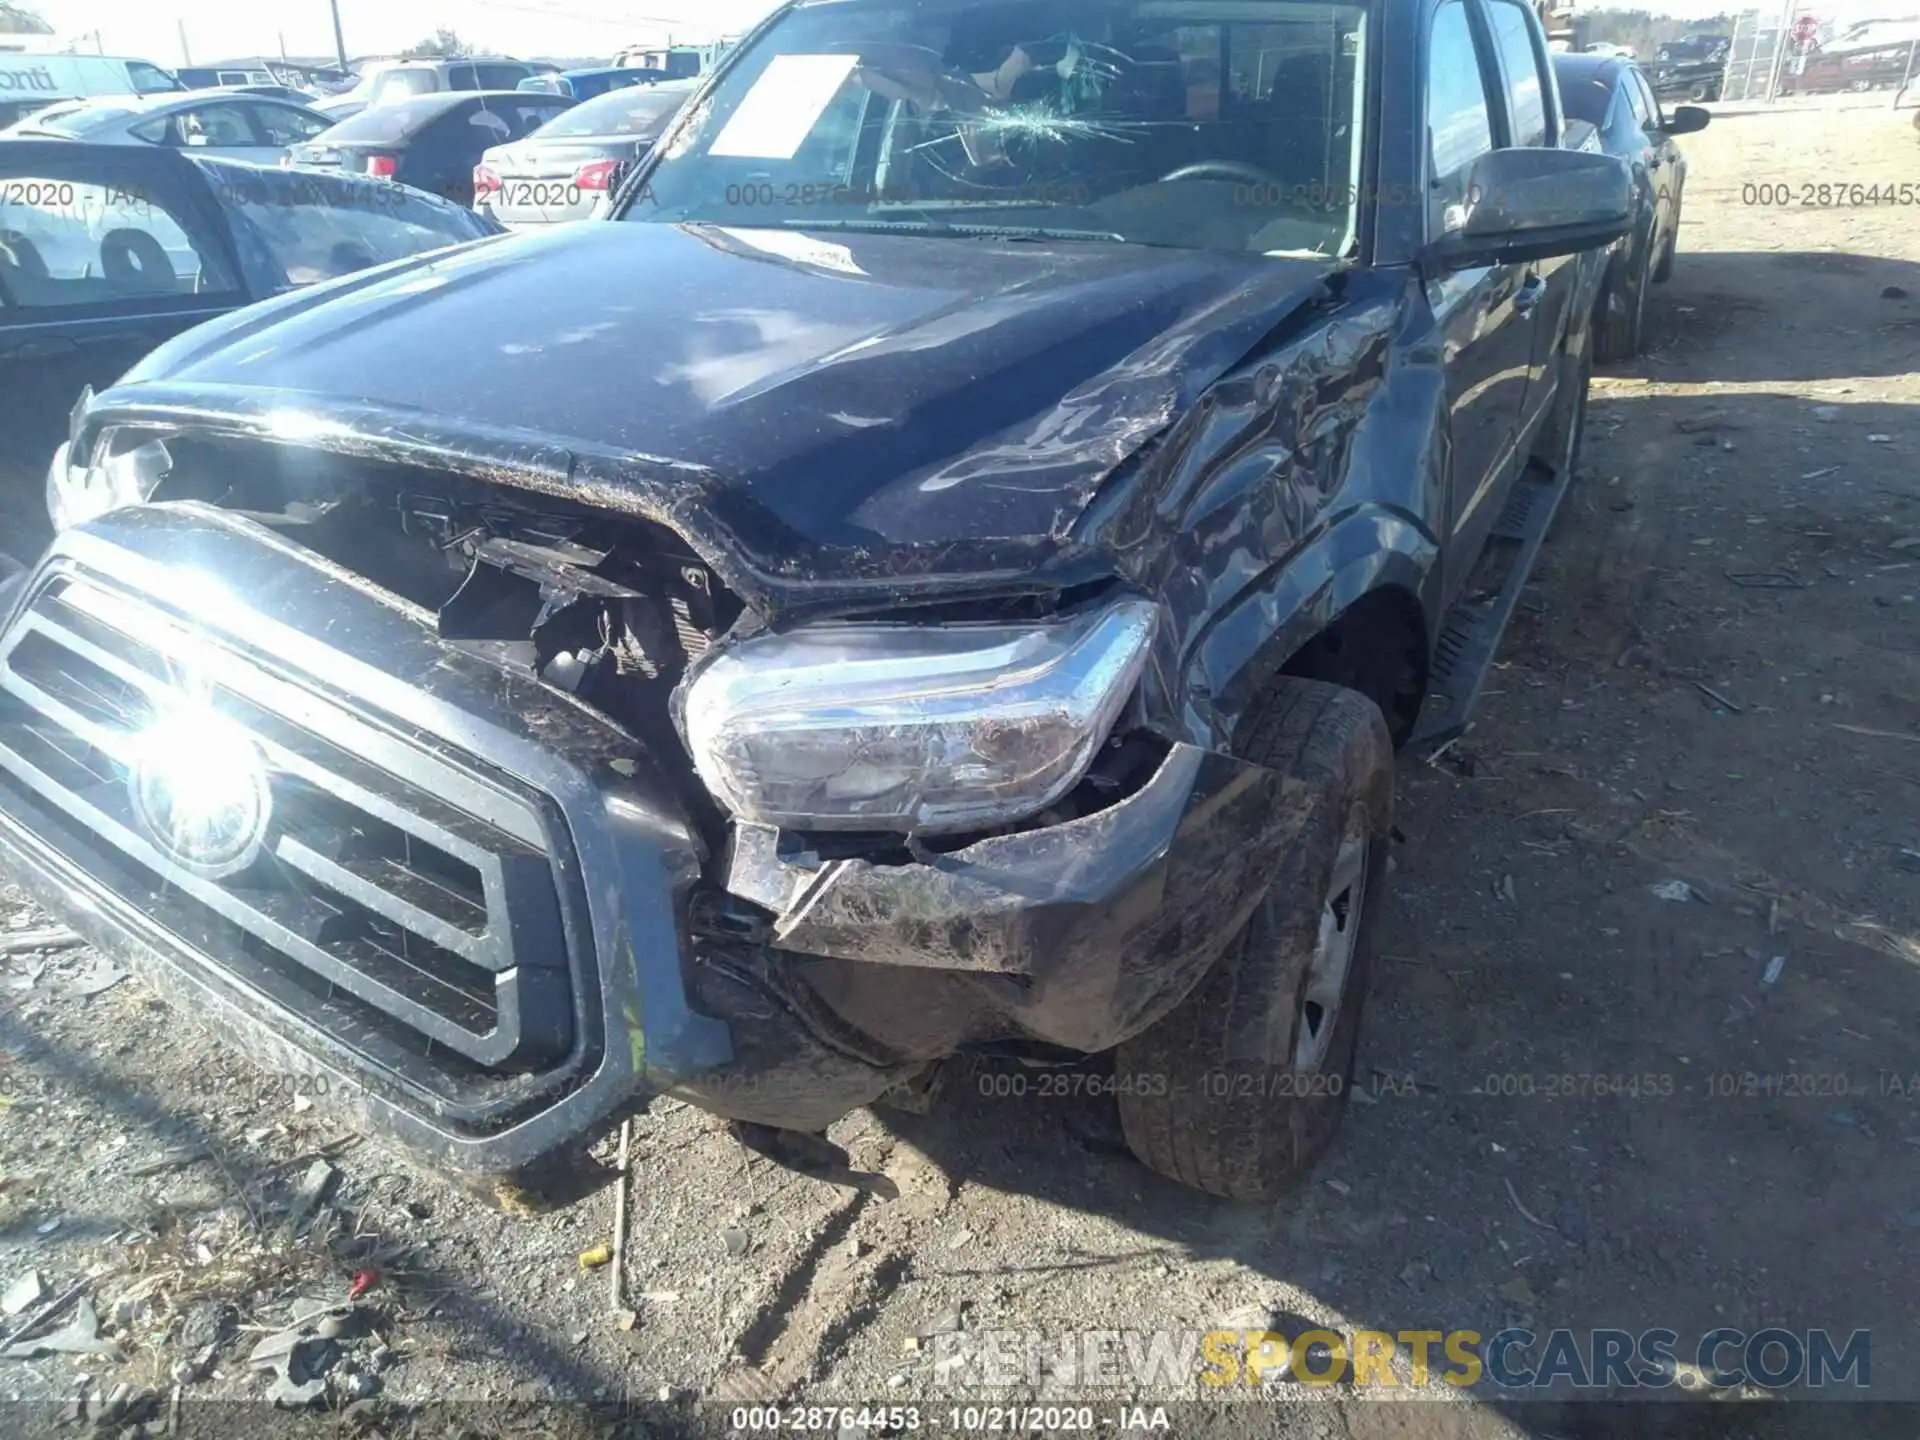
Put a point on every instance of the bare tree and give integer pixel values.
(445, 43)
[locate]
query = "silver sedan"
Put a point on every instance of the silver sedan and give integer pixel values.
(229, 123)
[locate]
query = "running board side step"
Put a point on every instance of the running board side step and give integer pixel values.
(1471, 633)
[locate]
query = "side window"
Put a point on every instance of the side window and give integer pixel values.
(146, 79)
(284, 125)
(462, 77)
(500, 77)
(214, 126)
(1648, 110)
(1459, 122)
(69, 243)
(1526, 87)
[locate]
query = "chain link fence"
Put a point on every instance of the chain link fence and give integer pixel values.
(1792, 51)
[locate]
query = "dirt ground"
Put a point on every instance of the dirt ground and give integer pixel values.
(1716, 680)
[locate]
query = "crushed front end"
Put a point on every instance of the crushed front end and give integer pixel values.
(409, 779)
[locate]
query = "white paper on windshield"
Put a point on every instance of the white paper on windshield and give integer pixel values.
(780, 110)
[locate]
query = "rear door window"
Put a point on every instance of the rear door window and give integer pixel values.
(462, 77)
(213, 127)
(1459, 119)
(285, 125)
(1526, 75)
(84, 239)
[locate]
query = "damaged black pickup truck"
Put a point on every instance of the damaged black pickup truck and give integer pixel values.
(942, 571)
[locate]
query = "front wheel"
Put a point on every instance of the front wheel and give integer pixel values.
(1240, 1088)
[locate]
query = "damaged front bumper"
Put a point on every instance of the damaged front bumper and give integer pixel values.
(469, 898)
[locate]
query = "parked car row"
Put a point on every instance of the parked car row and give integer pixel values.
(232, 124)
(29, 83)
(526, 156)
(569, 168)
(108, 250)
(433, 142)
(30, 79)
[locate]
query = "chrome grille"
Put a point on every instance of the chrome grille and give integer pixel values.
(393, 880)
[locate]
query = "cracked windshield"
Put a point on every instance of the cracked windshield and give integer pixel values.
(1221, 126)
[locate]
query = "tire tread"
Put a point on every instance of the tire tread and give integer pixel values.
(1336, 740)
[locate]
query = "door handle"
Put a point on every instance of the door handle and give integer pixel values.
(1532, 290)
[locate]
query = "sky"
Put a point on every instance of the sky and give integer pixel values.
(219, 29)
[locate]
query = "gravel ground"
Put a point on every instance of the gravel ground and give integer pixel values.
(1715, 680)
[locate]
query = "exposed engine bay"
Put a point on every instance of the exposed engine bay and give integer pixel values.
(608, 608)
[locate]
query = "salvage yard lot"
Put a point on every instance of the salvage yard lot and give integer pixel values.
(1583, 1104)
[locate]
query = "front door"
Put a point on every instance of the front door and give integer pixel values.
(1484, 316)
(1531, 120)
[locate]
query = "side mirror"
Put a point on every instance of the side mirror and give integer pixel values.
(1686, 119)
(1530, 202)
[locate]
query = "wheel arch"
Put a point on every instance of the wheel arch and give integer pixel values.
(1368, 587)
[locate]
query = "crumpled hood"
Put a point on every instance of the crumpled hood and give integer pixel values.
(831, 402)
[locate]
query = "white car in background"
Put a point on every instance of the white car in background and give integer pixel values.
(227, 123)
(32, 80)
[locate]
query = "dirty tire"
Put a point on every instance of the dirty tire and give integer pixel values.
(1210, 1096)
(1619, 328)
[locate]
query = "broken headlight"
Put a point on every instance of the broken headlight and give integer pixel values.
(126, 470)
(912, 727)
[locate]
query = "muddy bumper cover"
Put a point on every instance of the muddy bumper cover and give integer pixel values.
(464, 909)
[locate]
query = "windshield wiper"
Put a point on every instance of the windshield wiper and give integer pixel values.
(946, 228)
